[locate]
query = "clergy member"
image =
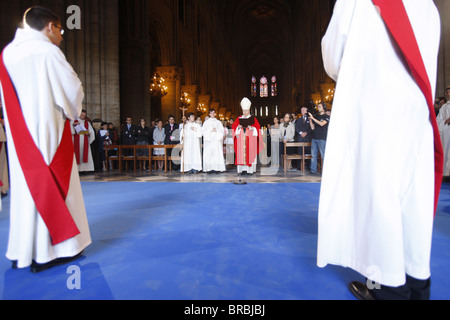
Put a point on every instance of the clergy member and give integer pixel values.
(83, 137)
(248, 140)
(213, 134)
(41, 94)
(191, 156)
(379, 190)
(443, 120)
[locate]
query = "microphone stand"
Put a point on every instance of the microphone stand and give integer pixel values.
(243, 138)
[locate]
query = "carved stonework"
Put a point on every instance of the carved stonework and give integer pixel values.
(170, 73)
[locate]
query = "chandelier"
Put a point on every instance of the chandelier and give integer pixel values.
(157, 87)
(185, 101)
(201, 108)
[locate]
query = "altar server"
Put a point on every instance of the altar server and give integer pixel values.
(213, 135)
(48, 218)
(381, 179)
(191, 156)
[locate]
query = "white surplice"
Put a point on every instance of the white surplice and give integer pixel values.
(377, 195)
(191, 157)
(444, 131)
(213, 135)
(85, 166)
(49, 92)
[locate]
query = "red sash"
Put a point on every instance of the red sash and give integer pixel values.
(397, 21)
(48, 185)
(76, 142)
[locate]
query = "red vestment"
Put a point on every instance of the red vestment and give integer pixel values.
(246, 145)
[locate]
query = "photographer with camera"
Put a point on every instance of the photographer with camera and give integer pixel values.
(319, 126)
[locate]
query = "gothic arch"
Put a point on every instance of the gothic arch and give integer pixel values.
(159, 33)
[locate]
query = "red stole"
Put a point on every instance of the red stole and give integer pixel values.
(397, 21)
(253, 145)
(48, 185)
(76, 142)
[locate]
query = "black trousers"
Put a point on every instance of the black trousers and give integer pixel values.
(414, 289)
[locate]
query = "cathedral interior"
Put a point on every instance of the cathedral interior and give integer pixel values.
(214, 53)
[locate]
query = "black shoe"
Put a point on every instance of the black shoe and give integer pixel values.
(360, 291)
(4, 195)
(39, 267)
(14, 264)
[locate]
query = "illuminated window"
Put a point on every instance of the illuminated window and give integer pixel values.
(274, 87)
(264, 87)
(254, 87)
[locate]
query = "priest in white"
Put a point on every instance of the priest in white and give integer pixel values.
(213, 135)
(443, 120)
(83, 137)
(191, 156)
(49, 92)
(377, 195)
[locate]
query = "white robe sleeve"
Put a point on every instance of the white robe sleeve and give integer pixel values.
(333, 43)
(66, 86)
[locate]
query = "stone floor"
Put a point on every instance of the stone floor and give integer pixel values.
(263, 175)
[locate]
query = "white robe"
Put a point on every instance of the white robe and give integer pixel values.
(49, 92)
(377, 195)
(444, 130)
(191, 157)
(88, 166)
(213, 145)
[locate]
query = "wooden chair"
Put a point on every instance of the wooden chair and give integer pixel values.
(110, 157)
(148, 158)
(128, 158)
(156, 158)
(297, 156)
(170, 157)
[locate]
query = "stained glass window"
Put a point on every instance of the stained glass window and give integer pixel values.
(264, 87)
(254, 87)
(274, 88)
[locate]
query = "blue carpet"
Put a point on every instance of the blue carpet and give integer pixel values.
(174, 241)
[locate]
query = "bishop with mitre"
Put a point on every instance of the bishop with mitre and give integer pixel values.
(248, 141)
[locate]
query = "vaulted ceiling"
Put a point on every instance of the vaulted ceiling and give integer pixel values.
(263, 32)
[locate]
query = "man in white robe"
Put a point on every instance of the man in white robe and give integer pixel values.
(83, 137)
(443, 120)
(213, 135)
(191, 156)
(378, 186)
(49, 92)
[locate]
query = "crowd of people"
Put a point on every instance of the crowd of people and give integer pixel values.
(208, 145)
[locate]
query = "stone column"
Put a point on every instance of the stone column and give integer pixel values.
(443, 79)
(170, 104)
